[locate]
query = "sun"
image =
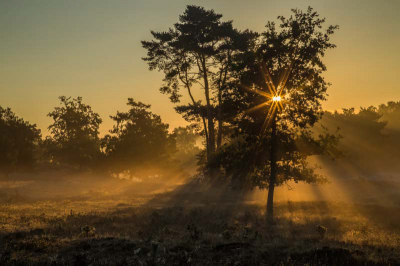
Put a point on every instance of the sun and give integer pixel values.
(276, 98)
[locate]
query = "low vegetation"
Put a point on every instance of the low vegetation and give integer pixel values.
(101, 231)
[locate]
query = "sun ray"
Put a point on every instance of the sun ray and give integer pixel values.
(278, 107)
(254, 90)
(269, 76)
(271, 116)
(268, 118)
(276, 95)
(255, 108)
(285, 78)
(268, 79)
(281, 105)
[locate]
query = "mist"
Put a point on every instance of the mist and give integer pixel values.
(259, 173)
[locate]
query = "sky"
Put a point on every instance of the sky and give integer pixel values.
(91, 48)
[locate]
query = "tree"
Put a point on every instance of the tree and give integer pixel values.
(139, 144)
(277, 100)
(18, 142)
(74, 139)
(197, 53)
(391, 113)
(187, 151)
(186, 140)
(366, 124)
(370, 138)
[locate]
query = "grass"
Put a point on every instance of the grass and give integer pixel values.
(123, 232)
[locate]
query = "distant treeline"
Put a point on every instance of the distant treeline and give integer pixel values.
(140, 145)
(370, 137)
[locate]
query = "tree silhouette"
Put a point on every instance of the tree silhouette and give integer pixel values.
(366, 123)
(277, 101)
(197, 53)
(186, 140)
(139, 144)
(187, 151)
(371, 137)
(75, 134)
(18, 142)
(391, 113)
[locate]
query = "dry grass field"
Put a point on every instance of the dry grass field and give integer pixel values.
(98, 229)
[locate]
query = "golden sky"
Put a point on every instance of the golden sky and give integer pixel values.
(92, 49)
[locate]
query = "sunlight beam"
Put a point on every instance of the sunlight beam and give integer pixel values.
(254, 90)
(255, 108)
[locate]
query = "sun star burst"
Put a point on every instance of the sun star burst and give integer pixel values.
(274, 99)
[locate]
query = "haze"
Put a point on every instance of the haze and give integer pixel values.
(92, 49)
(197, 132)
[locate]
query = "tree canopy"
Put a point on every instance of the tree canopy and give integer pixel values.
(139, 144)
(391, 113)
(371, 137)
(273, 138)
(197, 53)
(74, 136)
(186, 140)
(19, 141)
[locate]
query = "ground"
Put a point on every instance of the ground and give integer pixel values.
(172, 228)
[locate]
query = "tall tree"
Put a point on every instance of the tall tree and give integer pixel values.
(276, 103)
(197, 53)
(139, 144)
(74, 139)
(18, 142)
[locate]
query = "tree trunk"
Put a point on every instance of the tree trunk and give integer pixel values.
(210, 116)
(221, 86)
(198, 107)
(219, 136)
(211, 134)
(271, 187)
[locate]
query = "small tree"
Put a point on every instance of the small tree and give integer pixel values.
(74, 139)
(139, 143)
(276, 103)
(18, 142)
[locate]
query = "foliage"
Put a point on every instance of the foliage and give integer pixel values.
(292, 57)
(18, 142)
(139, 143)
(366, 123)
(74, 136)
(370, 137)
(197, 53)
(391, 113)
(187, 150)
(186, 140)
